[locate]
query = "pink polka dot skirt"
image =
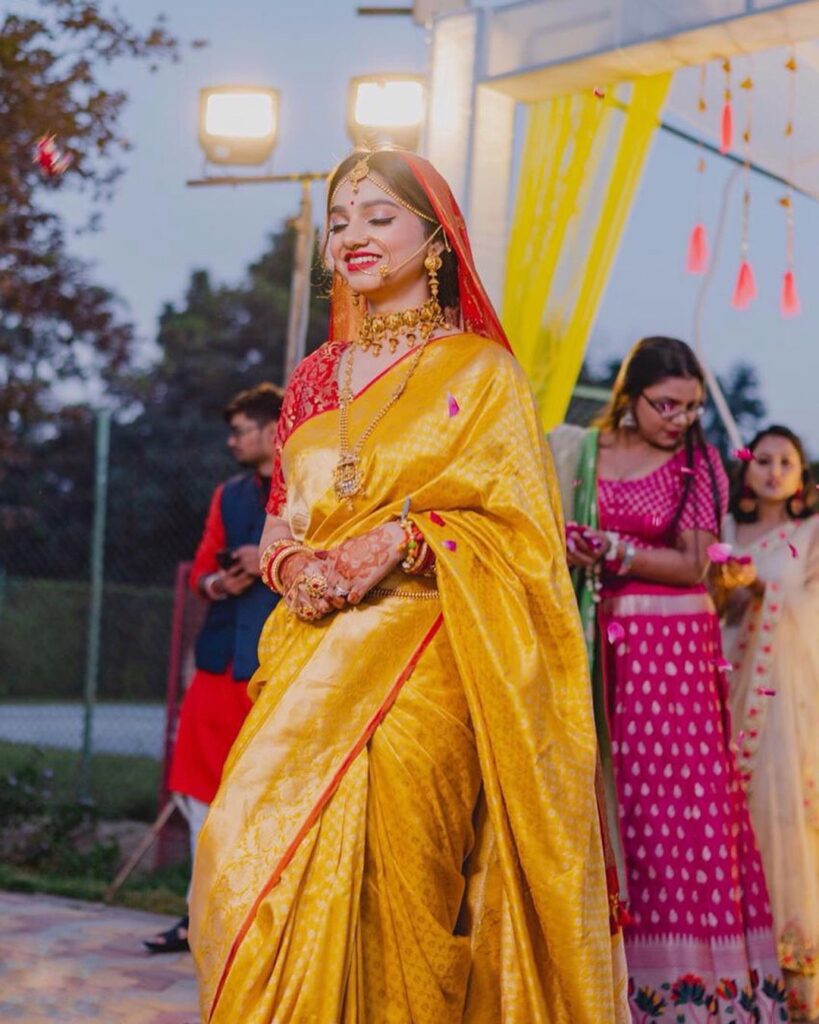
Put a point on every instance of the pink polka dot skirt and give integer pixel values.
(701, 947)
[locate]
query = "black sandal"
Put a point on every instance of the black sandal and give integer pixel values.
(174, 940)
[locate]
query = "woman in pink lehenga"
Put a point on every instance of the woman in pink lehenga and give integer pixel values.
(647, 495)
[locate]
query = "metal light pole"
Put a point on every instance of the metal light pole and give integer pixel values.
(299, 312)
(92, 665)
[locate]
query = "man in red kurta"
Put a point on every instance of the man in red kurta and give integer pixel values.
(225, 572)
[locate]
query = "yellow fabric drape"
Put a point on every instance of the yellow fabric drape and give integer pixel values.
(581, 165)
(392, 846)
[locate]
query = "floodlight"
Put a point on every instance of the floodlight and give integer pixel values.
(386, 108)
(237, 124)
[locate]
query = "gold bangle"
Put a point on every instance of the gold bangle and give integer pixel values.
(268, 555)
(273, 557)
(278, 563)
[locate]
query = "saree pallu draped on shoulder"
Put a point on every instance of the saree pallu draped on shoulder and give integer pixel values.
(406, 829)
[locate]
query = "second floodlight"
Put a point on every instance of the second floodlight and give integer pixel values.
(386, 109)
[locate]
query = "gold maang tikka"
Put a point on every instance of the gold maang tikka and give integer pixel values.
(360, 171)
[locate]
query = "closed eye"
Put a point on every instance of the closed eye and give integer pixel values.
(335, 228)
(381, 221)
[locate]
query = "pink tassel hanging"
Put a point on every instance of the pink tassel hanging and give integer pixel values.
(789, 300)
(697, 260)
(726, 138)
(789, 304)
(745, 287)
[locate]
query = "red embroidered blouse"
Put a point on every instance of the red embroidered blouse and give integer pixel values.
(313, 389)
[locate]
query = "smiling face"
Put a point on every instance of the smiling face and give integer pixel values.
(775, 475)
(378, 246)
(666, 410)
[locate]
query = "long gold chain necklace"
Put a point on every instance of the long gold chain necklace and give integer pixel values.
(347, 476)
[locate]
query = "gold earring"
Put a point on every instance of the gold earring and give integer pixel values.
(433, 264)
(356, 298)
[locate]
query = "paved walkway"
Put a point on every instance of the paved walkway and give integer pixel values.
(63, 960)
(118, 728)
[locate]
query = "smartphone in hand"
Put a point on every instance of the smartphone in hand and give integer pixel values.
(225, 559)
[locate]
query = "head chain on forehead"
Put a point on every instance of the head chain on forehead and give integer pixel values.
(361, 171)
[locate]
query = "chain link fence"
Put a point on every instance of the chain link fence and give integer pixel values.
(83, 675)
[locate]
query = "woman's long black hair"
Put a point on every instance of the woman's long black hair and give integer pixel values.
(650, 361)
(738, 485)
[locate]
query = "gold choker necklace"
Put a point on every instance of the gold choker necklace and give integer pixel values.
(411, 326)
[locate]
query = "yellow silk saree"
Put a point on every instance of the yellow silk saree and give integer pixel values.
(406, 829)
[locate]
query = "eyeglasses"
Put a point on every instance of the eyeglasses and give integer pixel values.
(241, 431)
(673, 410)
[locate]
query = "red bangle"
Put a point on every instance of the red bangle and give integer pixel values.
(273, 558)
(426, 562)
(415, 548)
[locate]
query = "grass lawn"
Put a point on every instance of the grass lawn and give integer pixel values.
(122, 787)
(161, 892)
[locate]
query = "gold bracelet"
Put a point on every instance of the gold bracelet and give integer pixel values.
(269, 554)
(274, 556)
(415, 548)
(278, 563)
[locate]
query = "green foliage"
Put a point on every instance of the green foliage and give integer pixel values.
(123, 788)
(135, 630)
(157, 892)
(55, 323)
(223, 339)
(168, 444)
(741, 389)
(47, 839)
(40, 830)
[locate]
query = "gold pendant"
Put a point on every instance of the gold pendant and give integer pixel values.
(347, 478)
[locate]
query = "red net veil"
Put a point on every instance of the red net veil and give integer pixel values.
(477, 313)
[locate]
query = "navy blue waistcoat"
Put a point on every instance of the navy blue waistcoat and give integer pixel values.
(232, 627)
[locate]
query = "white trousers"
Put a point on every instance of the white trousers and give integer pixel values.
(194, 811)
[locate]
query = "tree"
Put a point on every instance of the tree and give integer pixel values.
(55, 323)
(741, 389)
(168, 440)
(223, 338)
